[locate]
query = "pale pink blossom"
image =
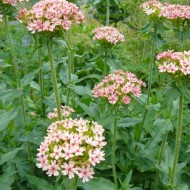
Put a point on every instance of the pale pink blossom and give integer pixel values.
(66, 111)
(175, 11)
(69, 169)
(152, 7)
(174, 62)
(53, 169)
(86, 173)
(119, 87)
(12, 2)
(108, 34)
(70, 147)
(51, 16)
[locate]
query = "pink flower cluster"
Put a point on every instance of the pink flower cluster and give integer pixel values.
(152, 7)
(13, 2)
(166, 10)
(172, 12)
(174, 62)
(118, 87)
(108, 34)
(51, 15)
(72, 147)
(65, 112)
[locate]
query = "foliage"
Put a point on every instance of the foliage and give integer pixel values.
(136, 160)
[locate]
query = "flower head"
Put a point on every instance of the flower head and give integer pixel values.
(152, 7)
(175, 11)
(51, 16)
(12, 2)
(174, 62)
(119, 87)
(108, 34)
(65, 112)
(72, 147)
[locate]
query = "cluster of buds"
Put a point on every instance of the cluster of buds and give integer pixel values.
(174, 62)
(11, 2)
(66, 111)
(119, 87)
(166, 10)
(108, 34)
(51, 16)
(1, 18)
(72, 147)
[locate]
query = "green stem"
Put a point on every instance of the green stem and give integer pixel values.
(70, 63)
(19, 86)
(178, 141)
(17, 73)
(105, 62)
(148, 95)
(114, 149)
(75, 183)
(41, 82)
(160, 158)
(107, 12)
(54, 79)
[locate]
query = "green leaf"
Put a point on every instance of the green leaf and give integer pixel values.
(63, 74)
(6, 117)
(29, 77)
(93, 76)
(188, 149)
(35, 137)
(7, 94)
(98, 183)
(129, 122)
(4, 186)
(90, 111)
(125, 184)
(9, 155)
(161, 126)
(81, 90)
(40, 183)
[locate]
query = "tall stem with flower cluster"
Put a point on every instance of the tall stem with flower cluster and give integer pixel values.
(178, 142)
(114, 149)
(54, 79)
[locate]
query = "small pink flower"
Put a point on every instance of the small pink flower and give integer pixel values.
(126, 99)
(53, 169)
(86, 173)
(113, 99)
(69, 169)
